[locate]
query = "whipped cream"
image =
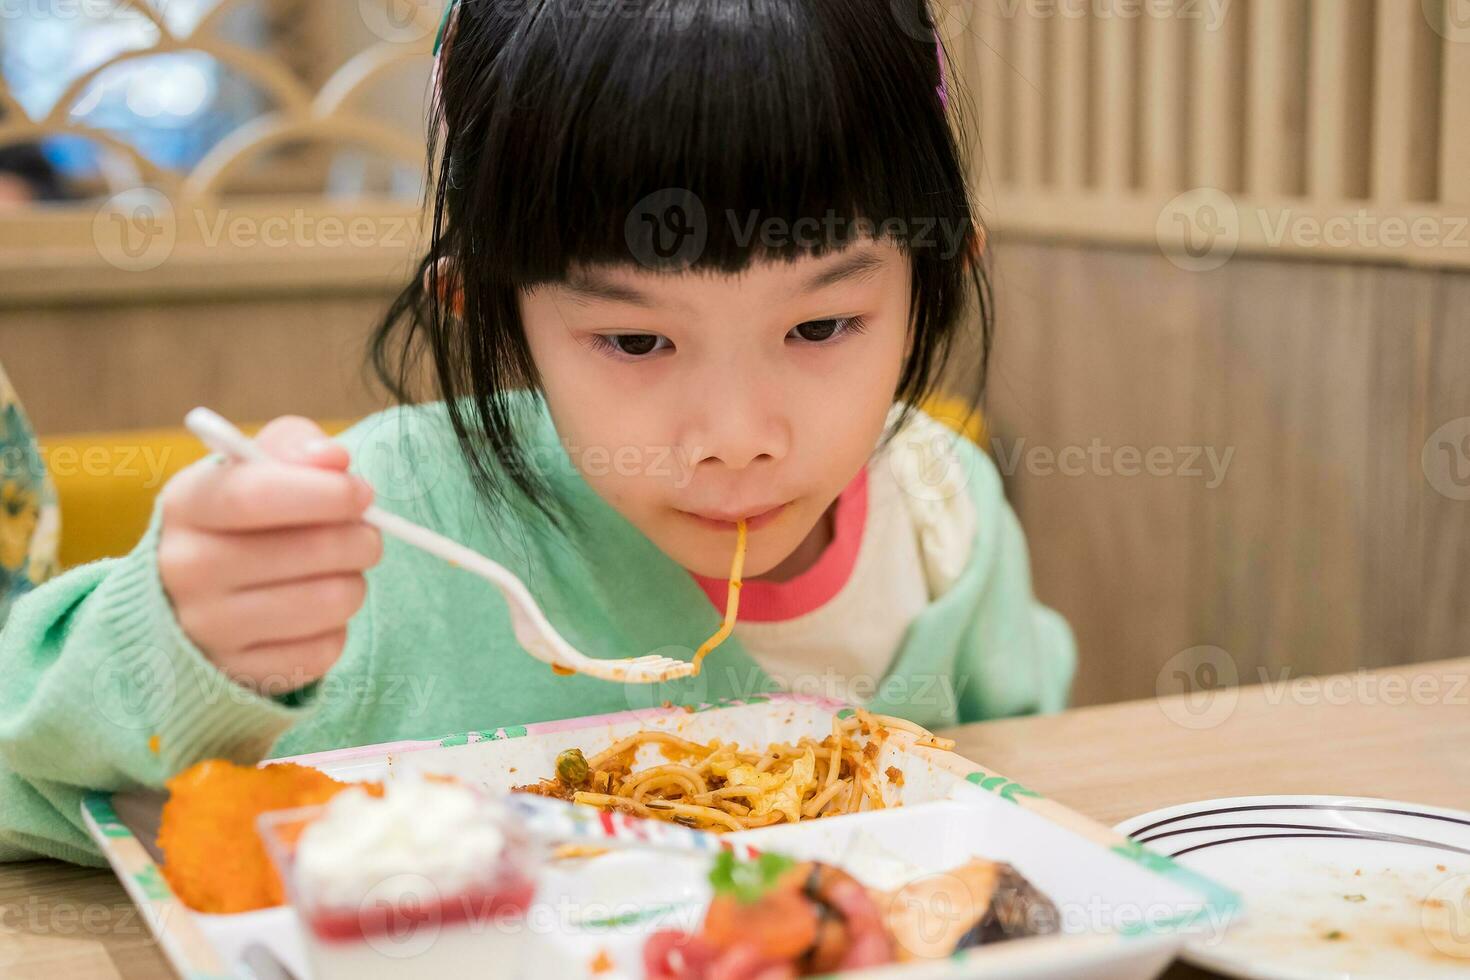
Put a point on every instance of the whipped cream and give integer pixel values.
(420, 837)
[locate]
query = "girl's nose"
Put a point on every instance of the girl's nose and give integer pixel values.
(737, 425)
(736, 454)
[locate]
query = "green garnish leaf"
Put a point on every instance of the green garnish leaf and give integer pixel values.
(748, 881)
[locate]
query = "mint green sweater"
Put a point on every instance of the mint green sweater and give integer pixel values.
(95, 664)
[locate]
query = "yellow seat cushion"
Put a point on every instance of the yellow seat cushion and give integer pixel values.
(959, 415)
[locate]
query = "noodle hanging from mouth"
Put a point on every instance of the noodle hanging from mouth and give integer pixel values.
(732, 609)
(732, 601)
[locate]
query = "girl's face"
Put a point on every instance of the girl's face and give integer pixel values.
(691, 400)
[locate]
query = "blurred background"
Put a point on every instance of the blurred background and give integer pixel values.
(1231, 239)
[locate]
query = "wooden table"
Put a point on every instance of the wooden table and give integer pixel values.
(1399, 733)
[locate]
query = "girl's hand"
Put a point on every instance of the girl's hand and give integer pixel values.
(264, 562)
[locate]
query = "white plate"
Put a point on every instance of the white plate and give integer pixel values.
(1124, 910)
(1337, 887)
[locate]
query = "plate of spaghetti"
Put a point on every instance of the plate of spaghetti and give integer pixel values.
(723, 787)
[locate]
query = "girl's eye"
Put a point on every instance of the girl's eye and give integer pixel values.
(632, 345)
(824, 331)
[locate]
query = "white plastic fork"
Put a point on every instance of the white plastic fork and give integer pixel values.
(535, 633)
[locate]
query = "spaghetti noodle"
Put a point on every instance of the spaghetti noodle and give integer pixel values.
(732, 601)
(719, 786)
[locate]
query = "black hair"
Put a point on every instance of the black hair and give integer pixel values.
(569, 132)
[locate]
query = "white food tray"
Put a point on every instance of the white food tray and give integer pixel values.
(1125, 910)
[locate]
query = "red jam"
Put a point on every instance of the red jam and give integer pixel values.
(508, 900)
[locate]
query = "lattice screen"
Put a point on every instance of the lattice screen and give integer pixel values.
(300, 106)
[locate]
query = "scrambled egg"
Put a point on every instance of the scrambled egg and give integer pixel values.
(781, 790)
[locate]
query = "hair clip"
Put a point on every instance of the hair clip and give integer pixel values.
(444, 25)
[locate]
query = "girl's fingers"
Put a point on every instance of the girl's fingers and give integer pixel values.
(278, 613)
(263, 560)
(196, 562)
(274, 669)
(253, 496)
(293, 439)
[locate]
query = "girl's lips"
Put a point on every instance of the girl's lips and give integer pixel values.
(753, 522)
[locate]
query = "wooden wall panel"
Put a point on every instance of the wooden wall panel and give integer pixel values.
(1454, 137)
(1069, 83)
(1115, 112)
(989, 41)
(1276, 101)
(81, 369)
(1325, 548)
(1332, 105)
(1444, 522)
(1405, 311)
(1029, 91)
(1341, 69)
(1217, 104)
(1405, 123)
(1082, 361)
(1287, 531)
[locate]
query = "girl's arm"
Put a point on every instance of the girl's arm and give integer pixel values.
(103, 690)
(1018, 655)
(204, 642)
(997, 651)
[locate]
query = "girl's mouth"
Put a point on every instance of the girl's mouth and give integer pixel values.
(726, 521)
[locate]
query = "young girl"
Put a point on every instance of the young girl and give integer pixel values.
(693, 262)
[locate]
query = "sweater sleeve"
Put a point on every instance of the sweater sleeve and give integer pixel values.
(1017, 656)
(103, 690)
(1003, 652)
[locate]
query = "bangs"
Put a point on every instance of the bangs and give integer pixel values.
(691, 134)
